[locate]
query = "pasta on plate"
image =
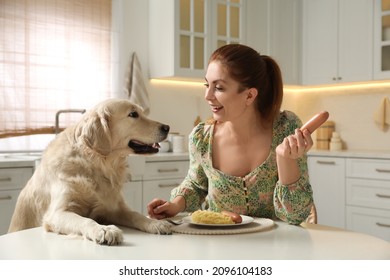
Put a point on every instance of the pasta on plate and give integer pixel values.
(210, 217)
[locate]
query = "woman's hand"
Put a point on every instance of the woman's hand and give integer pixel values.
(295, 145)
(161, 209)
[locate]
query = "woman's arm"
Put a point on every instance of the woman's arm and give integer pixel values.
(293, 194)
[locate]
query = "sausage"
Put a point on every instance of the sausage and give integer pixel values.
(316, 121)
(237, 219)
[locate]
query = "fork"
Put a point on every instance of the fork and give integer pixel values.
(175, 222)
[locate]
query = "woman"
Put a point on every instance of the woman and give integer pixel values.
(250, 158)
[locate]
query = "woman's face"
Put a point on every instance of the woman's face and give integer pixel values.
(222, 94)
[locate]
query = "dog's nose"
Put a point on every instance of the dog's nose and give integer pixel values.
(165, 128)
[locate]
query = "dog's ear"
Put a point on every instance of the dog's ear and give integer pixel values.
(94, 132)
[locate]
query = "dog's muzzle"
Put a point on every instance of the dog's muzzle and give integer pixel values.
(143, 148)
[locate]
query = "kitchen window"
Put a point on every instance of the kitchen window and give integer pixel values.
(54, 55)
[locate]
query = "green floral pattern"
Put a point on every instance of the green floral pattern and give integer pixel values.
(259, 193)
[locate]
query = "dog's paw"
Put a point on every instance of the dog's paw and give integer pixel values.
(159, 227)
(110, 235)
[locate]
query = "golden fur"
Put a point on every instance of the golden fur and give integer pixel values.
(77, 188)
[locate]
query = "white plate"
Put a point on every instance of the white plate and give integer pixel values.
(245, 220)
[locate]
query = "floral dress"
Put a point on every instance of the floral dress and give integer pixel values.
(257, 194)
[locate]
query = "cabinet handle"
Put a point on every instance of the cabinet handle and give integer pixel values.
(5, 179)
(382, 170)
(382, 195)
(168, 185)
(326, 162)
(382, 225)
(168, 170)
(8, 197)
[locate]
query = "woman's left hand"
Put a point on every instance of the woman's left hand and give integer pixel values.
(295, 145)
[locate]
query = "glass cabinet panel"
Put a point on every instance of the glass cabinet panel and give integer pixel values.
(385, 35)
(185, 54)
(199, 53)
(381, 39)
(199, 16)
(235, 22)
(192, 34)
(185, 15)
(221, 23)
(228, 21)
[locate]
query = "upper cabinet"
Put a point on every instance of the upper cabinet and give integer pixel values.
(382, 39)
(184, 33)
(314, 41)
(284, 37)
(337, 41)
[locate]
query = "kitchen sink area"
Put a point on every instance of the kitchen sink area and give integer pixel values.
(19, 158)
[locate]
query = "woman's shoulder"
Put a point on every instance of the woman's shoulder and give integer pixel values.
(202, 131)
(287, 121)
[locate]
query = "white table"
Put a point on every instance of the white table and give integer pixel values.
(284, 241)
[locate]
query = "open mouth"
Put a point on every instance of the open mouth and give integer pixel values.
(143, 148)
(215, 109)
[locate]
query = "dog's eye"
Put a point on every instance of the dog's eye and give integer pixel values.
(133, 114)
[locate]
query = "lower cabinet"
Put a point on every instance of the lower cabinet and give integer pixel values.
(368, 196)
(132, 192)
(352, 192)
(154, 177)
(327, 178)
(158, 189)
(12, 180)
(369, 220)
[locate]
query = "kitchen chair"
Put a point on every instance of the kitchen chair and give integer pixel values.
(312, 218)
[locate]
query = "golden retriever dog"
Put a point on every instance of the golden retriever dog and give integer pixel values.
(77, 187)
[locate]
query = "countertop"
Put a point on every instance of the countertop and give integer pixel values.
(351, 154)
(10, 160)
(31, 159)
(161, 156)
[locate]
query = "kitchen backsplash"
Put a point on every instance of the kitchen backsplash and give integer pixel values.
(179, 104)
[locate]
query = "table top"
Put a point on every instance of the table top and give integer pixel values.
(283, 241)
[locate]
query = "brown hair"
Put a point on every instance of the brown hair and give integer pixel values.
(252, 70)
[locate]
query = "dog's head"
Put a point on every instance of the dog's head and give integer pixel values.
(119, 125)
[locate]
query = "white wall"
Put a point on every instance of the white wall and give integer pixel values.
(352, 110)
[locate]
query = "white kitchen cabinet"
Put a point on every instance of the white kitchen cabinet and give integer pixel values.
(327, 178)
(183, 34)
(158, 189)
(337, 41)
(161, 177)
(284, 37)
(368, 196)
(154, 176)
(132, 192)
(12, 180)
(382, 39)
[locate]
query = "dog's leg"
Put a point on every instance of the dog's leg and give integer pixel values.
(133, 219)
(64, 222)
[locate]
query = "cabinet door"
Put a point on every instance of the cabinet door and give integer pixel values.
(327, 178)
(132, 192)
(183, 34)
(382, 39)
(7, 206)
(158, 189)
(355, 57)
(285, 27)
(320, 44)
(368, 220)
(337, 41)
